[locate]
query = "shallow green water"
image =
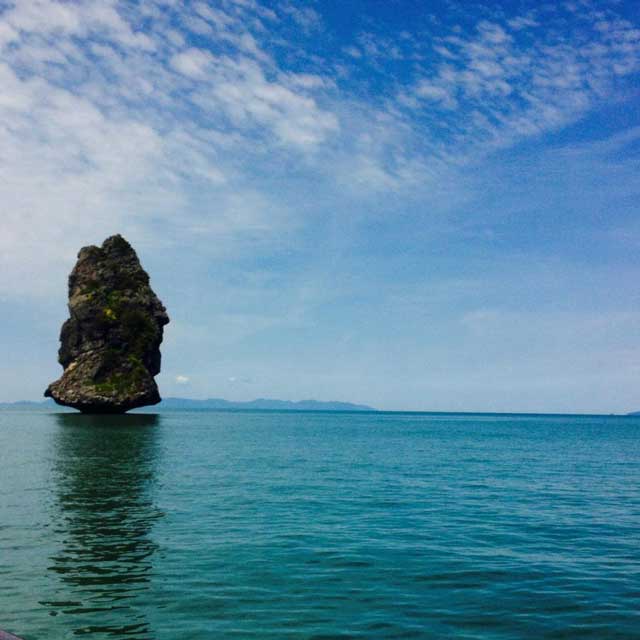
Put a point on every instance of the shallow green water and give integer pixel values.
(290, 525)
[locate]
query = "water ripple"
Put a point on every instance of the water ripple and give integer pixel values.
(265, 525)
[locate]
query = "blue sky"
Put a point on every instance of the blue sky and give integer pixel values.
(415, 205)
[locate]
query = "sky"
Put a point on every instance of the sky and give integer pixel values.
(409, 204)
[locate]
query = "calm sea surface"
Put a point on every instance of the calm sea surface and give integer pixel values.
(207, 525)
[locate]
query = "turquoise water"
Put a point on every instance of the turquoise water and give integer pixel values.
(201, 525)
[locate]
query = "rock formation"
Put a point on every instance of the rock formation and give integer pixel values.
(110, 346)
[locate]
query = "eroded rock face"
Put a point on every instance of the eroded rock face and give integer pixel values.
(110, 345)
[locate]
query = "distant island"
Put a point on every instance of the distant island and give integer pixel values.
(174, 404)
(263, 403)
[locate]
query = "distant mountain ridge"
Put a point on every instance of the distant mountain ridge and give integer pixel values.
(264, 404)
(31, 405)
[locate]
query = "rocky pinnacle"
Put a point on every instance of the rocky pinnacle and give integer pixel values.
(110, 345)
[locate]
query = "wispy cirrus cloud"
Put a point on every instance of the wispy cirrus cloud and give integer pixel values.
(184, 121)
(117, 116)
(506, 79)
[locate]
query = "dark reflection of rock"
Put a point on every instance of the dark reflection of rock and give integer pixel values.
(105, 468)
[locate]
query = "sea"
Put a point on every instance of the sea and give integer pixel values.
(200, 525)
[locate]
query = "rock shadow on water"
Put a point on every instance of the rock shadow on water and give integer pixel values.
(105, 471)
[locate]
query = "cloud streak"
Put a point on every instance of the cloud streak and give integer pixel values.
(181, 122)
(104, 126)
(504, 80)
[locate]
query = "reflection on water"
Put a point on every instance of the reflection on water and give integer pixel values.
(319, 525)
(104, 469)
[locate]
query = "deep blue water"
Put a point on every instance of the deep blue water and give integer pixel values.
(203, 525)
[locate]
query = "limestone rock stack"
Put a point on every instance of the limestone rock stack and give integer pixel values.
(110, 345)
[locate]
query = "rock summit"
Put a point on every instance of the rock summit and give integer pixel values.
(110, 345)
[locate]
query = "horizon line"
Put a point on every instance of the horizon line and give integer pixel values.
(368, 408)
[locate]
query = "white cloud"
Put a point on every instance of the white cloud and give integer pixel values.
(182, 379)
(352, 51)
(192, 62)
(105, 128)
(51, 17)
(306, 17)
(242, 91)
(510, 80)
(429, 91)
(522, 22)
